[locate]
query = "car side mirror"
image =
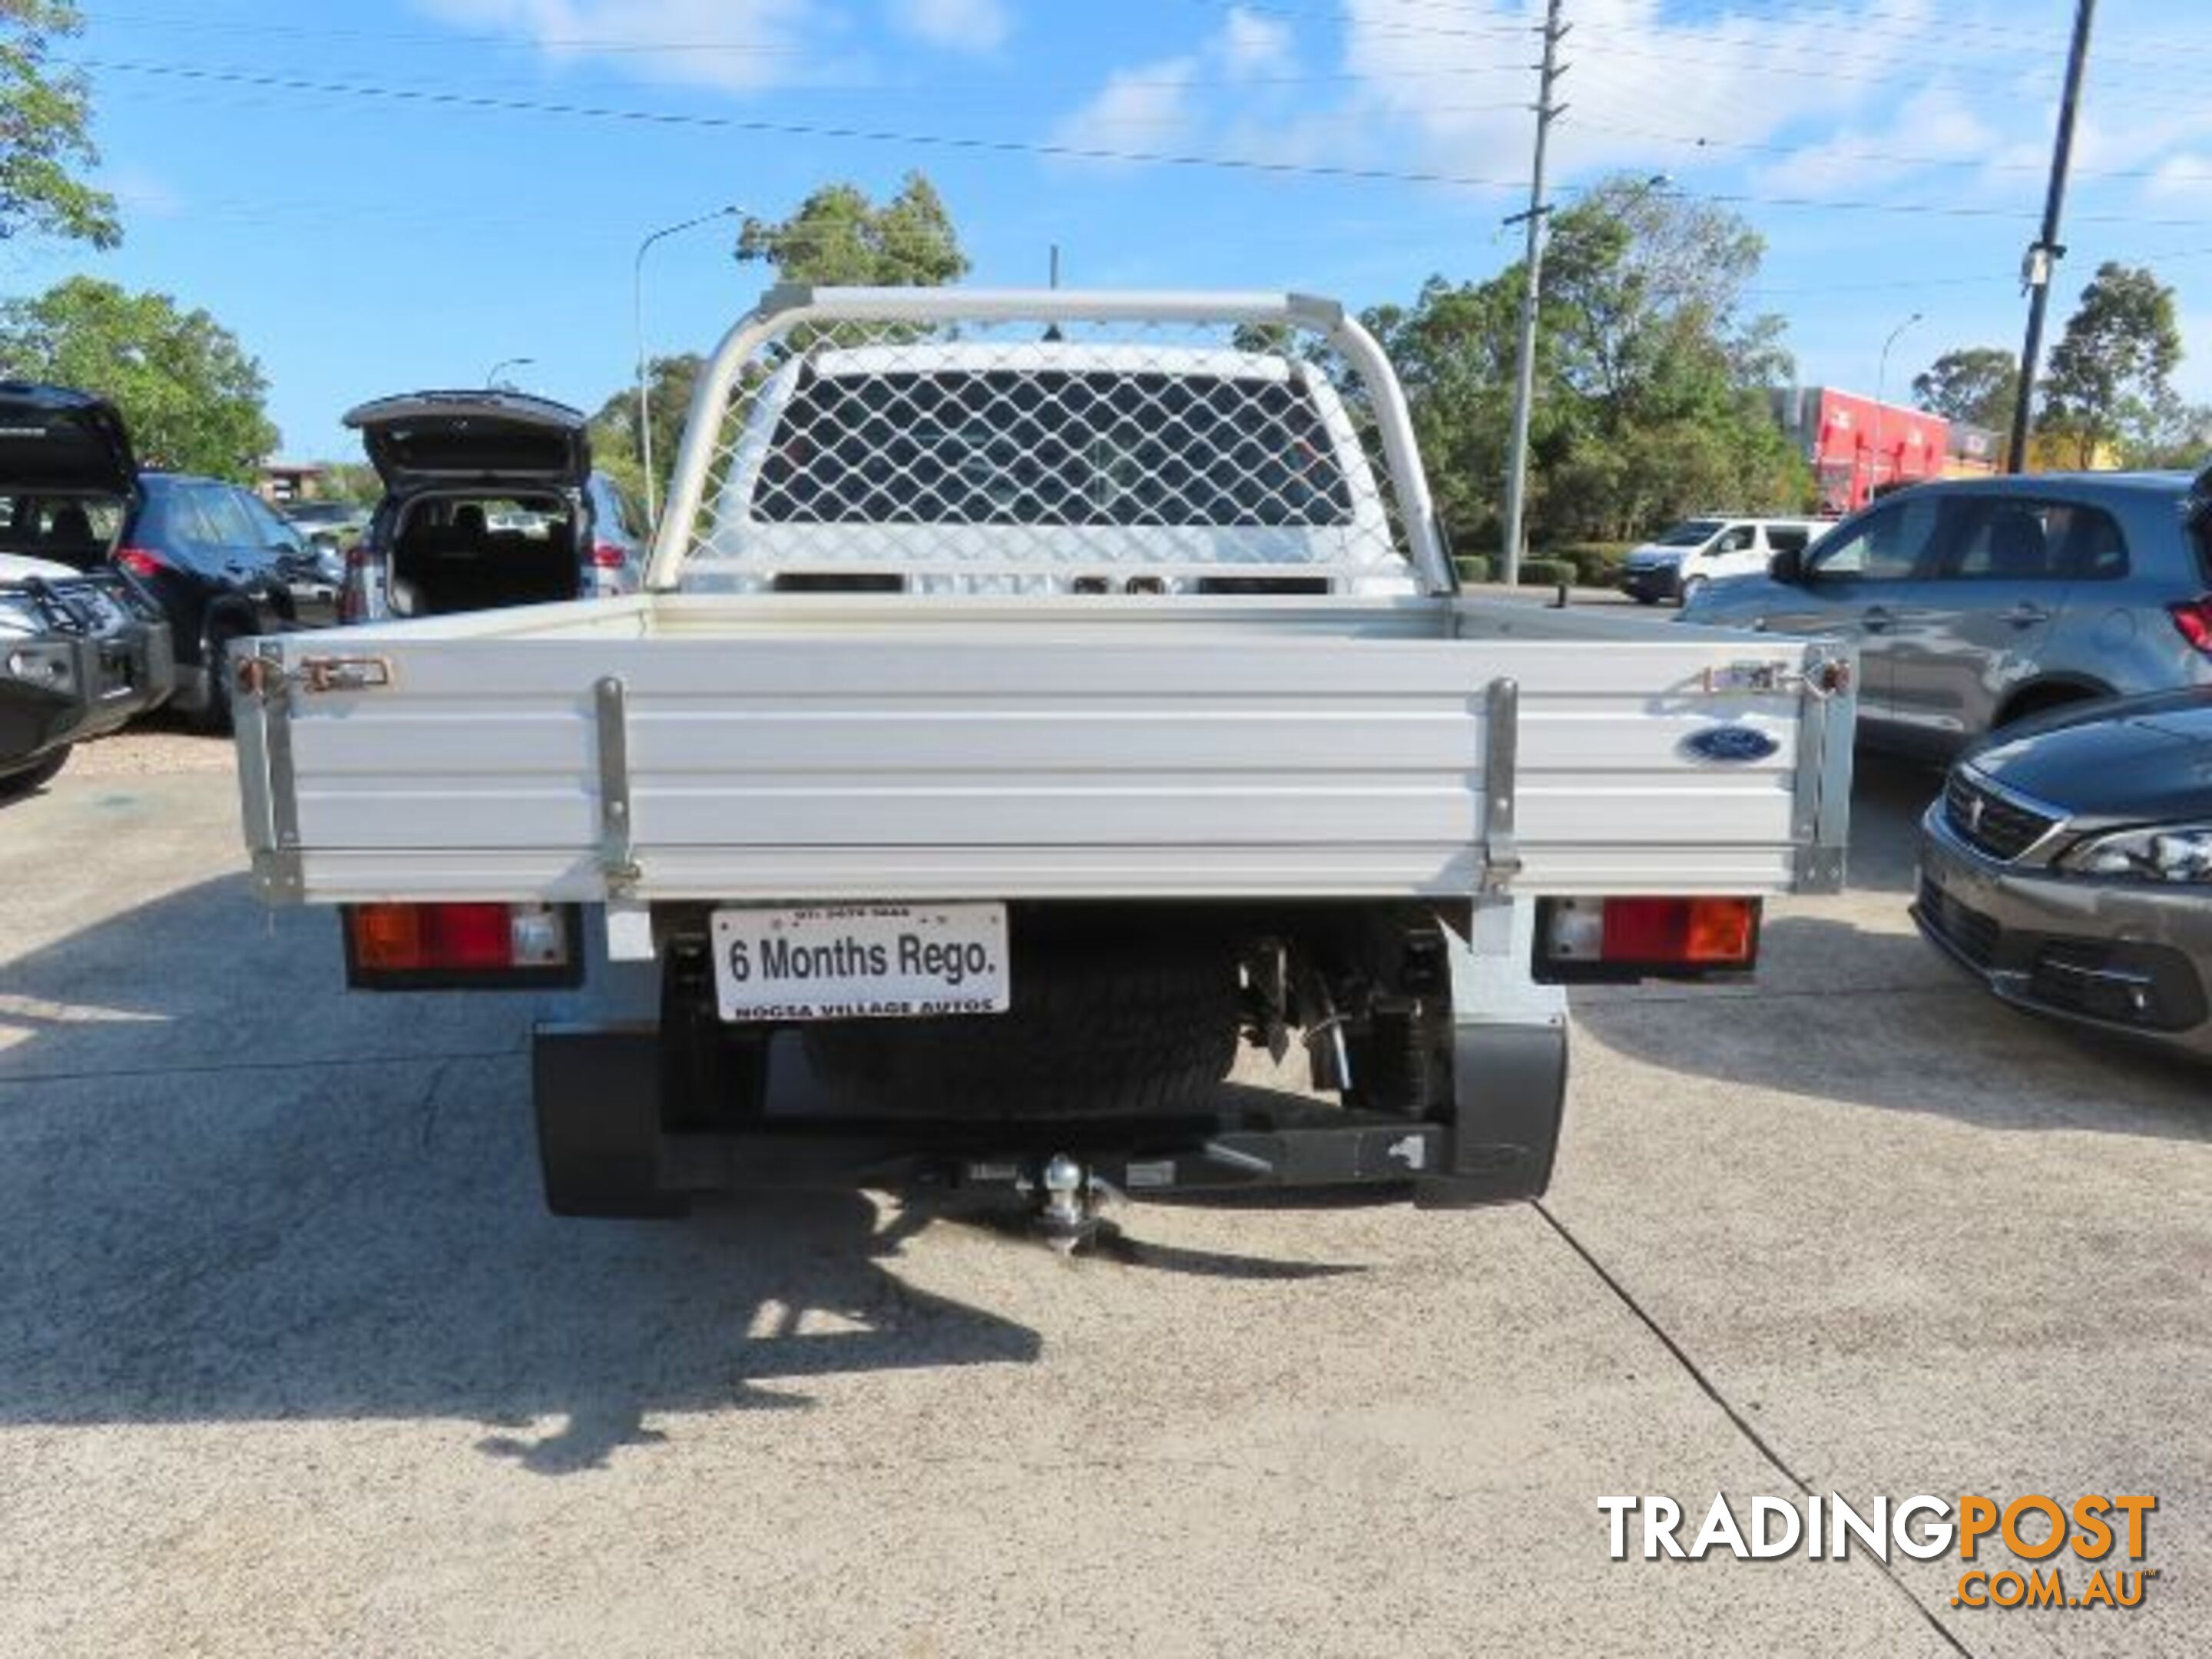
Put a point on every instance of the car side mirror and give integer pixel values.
(1788, 567)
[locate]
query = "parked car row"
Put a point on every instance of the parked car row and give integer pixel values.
(123, 588)
(2051, 635)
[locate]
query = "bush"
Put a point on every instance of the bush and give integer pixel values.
(1545, 573)
(1475, 569)
(1597, 564)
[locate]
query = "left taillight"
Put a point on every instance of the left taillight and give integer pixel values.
(140, 561)
(1646, 938)
(398, 947)
(605, 556)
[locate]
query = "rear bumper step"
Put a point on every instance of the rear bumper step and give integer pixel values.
(607, 1152)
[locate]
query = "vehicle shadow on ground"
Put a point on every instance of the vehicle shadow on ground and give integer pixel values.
(229, 1191)
(1879, 1019)
(1889, 795)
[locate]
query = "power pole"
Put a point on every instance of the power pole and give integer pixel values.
(2046, 250)
(1524, 385)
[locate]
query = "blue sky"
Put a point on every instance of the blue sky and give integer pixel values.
(326, 190)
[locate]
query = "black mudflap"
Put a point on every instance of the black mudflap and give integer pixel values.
(1509, 1086)
(596, 1090)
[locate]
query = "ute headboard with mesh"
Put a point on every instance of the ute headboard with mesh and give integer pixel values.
(1049, 440)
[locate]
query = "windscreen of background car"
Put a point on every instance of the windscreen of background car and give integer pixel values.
(77, 530)
(1051, 447)
(1885, 544)
(1696, 533)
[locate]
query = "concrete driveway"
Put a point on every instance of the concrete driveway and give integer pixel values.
(291, 1362)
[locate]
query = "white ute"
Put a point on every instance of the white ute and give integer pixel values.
(1036, 696)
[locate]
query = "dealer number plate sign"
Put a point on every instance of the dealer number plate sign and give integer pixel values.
(861, 961)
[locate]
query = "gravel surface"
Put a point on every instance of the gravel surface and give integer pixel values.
(293, 1361)
(151, 749)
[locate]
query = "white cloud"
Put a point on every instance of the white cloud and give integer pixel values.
(1931, 128)
(2182, 177)
(1646, 86)
(1252, 45)
(1155, 106)
(742, 45)
(972, 26)
(1147, 108)
(145, 193)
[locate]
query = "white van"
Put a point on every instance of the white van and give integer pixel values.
(1703, 550)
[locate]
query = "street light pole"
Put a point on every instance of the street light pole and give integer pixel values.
(1524, 379)
(492, 377)
(1880, 379)
(2046, 250)
(637, 316)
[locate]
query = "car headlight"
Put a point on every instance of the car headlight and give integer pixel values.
(52, 667)
(2180, 852)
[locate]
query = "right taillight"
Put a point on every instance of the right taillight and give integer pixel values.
(1645, 937)
(2194, 618)
(141, 562)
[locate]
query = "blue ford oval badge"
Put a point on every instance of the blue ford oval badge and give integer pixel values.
(1732, 746)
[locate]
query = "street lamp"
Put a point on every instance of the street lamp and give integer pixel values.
(491, 378)
(637, 311)
(1524, 381)
(1880, 379)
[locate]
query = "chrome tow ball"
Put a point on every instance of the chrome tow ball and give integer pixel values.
(1068, 1210)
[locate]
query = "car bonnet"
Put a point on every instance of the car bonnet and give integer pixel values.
(2145, 761)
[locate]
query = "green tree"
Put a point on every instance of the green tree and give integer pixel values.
(1654, 377)
(1452, 350)
(350, 481)
(615, 446)
(1977, 384)
(2110, 372)
(838, 235)
(2183, 438)
(46, 138)
(192, 396)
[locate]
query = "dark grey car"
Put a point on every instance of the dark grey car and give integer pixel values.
(2068, 866)
(1978, 602)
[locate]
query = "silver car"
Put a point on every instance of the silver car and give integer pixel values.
(1977, 602)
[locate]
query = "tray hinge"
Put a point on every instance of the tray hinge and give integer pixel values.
(610, 703)
(1501, 750)
(277, 875)
(1820, 802)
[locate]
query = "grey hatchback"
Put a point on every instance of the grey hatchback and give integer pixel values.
(1977, 602)
(2068, 866)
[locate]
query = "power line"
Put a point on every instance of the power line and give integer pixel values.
(1700, 42)
(467, 100)
(1893, 158)
(1714, 31)
(1045, 149)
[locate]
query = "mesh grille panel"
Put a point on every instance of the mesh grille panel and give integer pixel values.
(1021, 454)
